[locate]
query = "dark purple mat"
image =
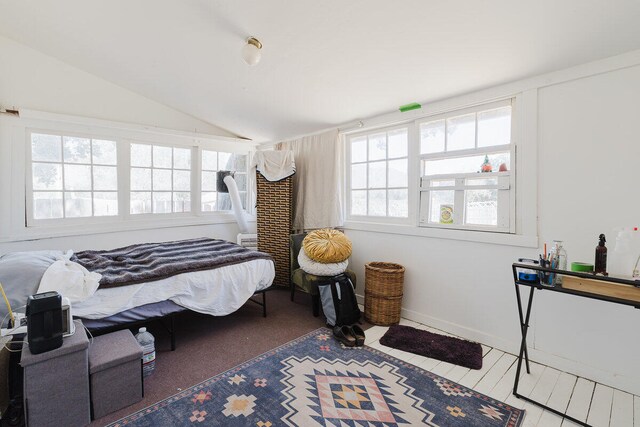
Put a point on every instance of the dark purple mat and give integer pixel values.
(441, 347)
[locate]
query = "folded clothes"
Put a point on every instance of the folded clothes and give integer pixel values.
(321, 268)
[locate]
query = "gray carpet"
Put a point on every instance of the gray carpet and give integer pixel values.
(209, 345)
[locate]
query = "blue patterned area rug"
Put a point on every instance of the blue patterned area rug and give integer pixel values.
(316, 381)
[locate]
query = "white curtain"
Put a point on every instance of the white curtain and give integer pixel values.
(317, 184)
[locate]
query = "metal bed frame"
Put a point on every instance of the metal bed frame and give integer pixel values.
(170, 319)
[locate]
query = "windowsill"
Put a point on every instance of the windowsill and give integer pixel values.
(51, 231)
(438, 233)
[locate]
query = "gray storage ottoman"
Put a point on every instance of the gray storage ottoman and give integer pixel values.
(56, 383)
(115, 367)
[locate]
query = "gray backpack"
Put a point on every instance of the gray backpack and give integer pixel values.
(339, 302)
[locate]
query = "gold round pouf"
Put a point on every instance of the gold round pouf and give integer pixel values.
(327, 246)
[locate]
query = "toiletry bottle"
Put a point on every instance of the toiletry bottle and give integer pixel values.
(601, 256)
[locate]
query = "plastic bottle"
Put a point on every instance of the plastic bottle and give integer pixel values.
(622, 259)
(147, 342)
(601, 256)
(558, 259)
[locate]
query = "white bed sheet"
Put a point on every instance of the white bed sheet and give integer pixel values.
(217, 292)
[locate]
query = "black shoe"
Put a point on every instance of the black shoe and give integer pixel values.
(358, 333)
(343, 334)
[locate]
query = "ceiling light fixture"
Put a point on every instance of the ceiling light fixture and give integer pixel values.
(251, 51)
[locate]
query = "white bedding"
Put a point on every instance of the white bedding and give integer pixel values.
(217, 292)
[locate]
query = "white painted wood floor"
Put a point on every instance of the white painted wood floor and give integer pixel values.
(583, 399)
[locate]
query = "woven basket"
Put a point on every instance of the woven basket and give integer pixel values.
(383, 284)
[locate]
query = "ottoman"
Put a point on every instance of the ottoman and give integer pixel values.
(115, 369)
(56, 383)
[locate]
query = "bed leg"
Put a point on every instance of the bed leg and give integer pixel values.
(264, 304)
(172, 332)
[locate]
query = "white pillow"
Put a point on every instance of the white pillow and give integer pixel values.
(319, 268)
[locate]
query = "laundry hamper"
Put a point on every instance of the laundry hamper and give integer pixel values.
(383, 285)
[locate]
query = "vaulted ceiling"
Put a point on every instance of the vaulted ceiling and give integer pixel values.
(324, 62)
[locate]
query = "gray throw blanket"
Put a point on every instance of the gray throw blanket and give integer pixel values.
(148, 262)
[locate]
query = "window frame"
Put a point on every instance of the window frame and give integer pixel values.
(524, 142)
(378, 218)
(508, 226)
(124, 220)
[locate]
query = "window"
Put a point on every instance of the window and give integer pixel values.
(450, 171)
(73, 177)
(160, 179)
(212, 162)
(378, 174)
(466, 164)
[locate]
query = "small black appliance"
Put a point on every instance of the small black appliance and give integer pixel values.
(44, 322)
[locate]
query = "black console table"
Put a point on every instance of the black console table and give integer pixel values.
(526, 316)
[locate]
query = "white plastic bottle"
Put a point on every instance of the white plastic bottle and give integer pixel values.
(147, 342)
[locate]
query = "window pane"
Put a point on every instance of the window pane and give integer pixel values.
(241, 180)
(161, 202)
(140, 179)
(359, 149)
(442, 182)
(441, 206)
(224, 202)
(46, 148)
(377, 202)
(77, 150)
(359, 202)
(467, 164)
(432, 137)
(461, 132)
(140, 155)
(77, 204)
(399, 203)
(494, 127)
(398, 176)
(182, 202)
(359, 175)
(181, 180)
(182, 158)
(161, 157)
(77, 177)
(377, 175)
(161, 180)
(105, 178)
(209, 201)
(209, 160)
(47, 176)
(224, 161)
(378, 146)
(47, 205)
(140, 202)
(482, 181)
(105, 152)
(398, 143)
(208, 181)
(481, 207)
(105, 204)
(240, 162)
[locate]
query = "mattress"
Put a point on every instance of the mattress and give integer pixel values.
(216, 292)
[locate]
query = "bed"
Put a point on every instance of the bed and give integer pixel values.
(143, 282)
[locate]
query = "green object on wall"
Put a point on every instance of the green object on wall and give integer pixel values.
(409, 107)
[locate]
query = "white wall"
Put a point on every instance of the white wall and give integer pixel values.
(32, 80)
(588, 173)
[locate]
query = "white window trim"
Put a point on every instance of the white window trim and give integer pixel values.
(347, 192)
(17, 131)
(525, 134)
